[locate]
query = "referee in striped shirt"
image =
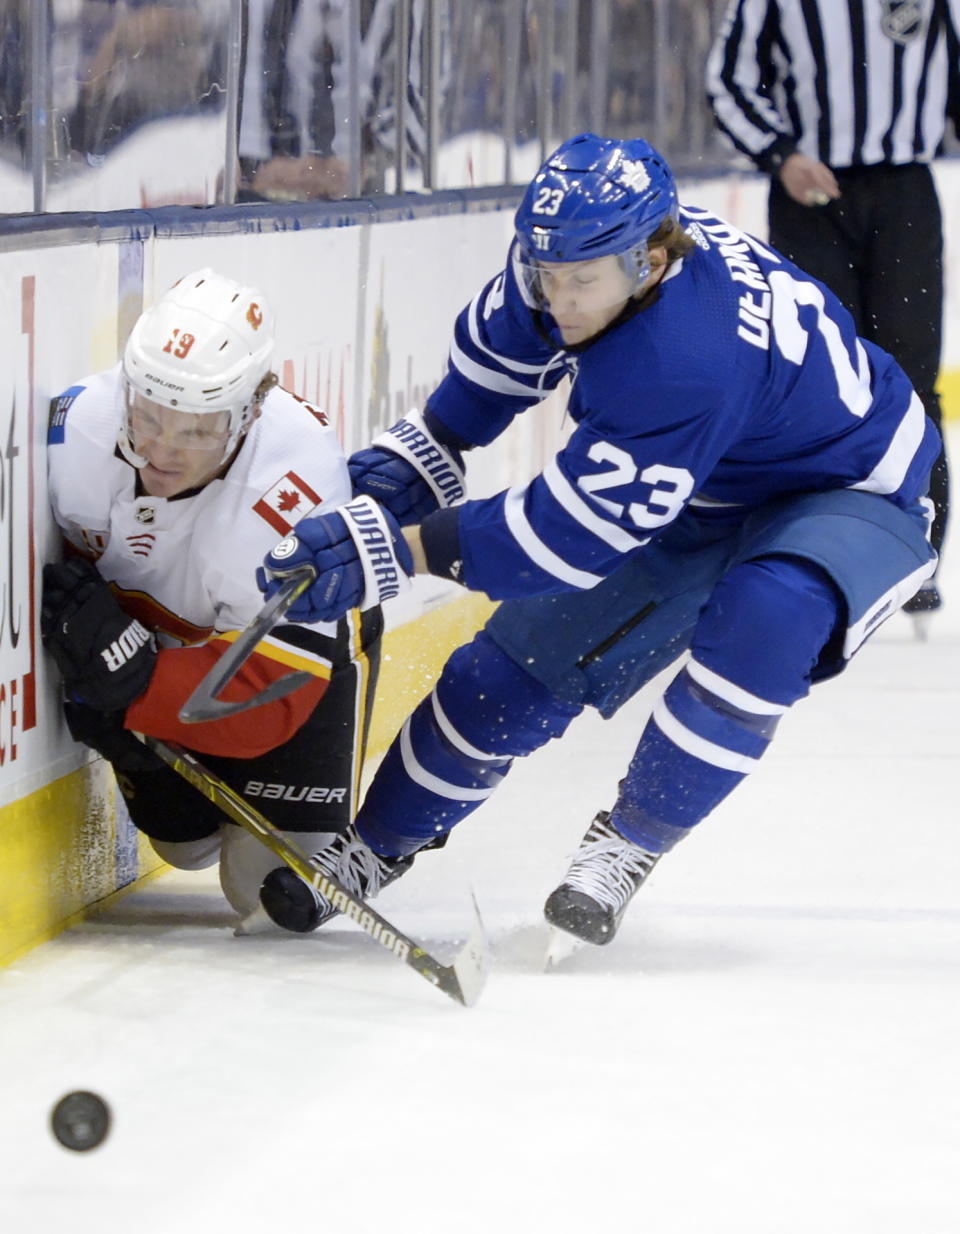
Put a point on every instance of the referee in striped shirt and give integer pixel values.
(844, 103)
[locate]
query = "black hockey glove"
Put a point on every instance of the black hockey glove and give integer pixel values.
(106, 656)
(103, 731)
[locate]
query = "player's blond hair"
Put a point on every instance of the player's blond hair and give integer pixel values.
(671, 236)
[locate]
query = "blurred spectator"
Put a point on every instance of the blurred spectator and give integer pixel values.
(142, 61)
(295, 113)
(12, 91)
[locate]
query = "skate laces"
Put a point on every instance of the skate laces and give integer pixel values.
(608, 868)
(356, 866)
(360, 870)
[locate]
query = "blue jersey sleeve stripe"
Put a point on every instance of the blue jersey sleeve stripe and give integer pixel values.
(890, 473)
(568, 497)
(488, 378)
(534, 548)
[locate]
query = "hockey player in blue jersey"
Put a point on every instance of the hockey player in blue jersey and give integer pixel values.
(745, 483)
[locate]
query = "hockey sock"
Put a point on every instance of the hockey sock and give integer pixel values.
(457, 747)
(695, 749)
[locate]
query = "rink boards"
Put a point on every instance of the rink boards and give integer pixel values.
(365, 295)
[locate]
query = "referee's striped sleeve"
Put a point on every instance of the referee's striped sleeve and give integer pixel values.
(952, 22)
(739, 69)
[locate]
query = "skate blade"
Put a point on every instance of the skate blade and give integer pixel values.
(922, 625)
(256, 922)
(560, 947)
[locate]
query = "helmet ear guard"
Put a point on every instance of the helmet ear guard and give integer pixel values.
(205, 347)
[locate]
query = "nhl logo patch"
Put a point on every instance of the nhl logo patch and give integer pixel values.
(902, 20)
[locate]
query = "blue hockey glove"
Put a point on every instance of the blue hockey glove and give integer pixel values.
(360, 556)
(408, 471)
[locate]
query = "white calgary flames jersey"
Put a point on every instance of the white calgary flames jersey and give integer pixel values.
(186, 565)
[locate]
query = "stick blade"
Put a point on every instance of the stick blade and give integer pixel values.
(560, 947)
(200, 707)
(472, 963)
(203, 703)
(257, 921)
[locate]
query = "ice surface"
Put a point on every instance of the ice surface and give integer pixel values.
(769, 1047)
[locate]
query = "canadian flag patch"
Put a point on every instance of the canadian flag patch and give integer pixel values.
(285, 503)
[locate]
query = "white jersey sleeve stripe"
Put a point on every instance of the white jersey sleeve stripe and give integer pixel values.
(691, 743)
(455, 738)
(892, 469)
(488, 378)
(535, 370)
(710, 503)
(536, 550)
(733, 694)
(433, 784)
(577, 508)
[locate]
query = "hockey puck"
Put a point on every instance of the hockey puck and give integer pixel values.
(80, 1121)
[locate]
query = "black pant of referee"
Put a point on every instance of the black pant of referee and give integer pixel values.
(879, 248)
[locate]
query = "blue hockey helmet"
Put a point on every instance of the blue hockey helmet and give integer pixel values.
(596, 197)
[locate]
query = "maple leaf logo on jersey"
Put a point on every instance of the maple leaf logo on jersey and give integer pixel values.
(288, 500)
(289, 496)
(633, 175)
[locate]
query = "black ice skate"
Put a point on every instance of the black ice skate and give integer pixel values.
(601, 881)
(294, 905)
(927, 600)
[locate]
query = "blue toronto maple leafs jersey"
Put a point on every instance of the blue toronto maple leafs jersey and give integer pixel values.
(742, 382)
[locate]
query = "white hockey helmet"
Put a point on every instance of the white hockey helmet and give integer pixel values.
(204, 347)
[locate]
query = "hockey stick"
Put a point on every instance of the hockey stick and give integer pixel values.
(462, 980)
(203, 703)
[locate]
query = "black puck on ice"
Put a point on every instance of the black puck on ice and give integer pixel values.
(80, 1121)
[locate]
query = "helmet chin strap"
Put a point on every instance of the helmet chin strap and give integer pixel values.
(127, 450)
(236, 436)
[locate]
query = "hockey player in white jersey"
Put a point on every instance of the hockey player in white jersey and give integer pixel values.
(170, 476)
(745, 482)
